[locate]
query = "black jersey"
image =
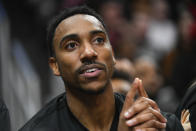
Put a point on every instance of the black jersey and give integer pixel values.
(56, 116)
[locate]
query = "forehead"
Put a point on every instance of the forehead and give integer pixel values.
(77, 22)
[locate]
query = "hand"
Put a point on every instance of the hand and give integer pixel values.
(140, 114)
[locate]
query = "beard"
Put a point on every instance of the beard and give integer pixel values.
(76, 87)
(73, 85)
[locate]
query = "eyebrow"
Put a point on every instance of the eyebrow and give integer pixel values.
(71, 36)
(97, 32)
(75, 36)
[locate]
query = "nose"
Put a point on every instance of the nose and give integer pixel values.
(88, 53)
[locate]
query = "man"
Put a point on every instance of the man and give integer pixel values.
(82, 55)
(186, 111)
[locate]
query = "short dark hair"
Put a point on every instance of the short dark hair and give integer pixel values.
(67, 12)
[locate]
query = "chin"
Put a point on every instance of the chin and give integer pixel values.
(94, 88)
(90, 88)
(92, 91)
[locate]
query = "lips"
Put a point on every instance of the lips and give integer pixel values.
(91, 71)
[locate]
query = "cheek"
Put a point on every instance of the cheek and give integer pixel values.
(107, 57)
(67, 65)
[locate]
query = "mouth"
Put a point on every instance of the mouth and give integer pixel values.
(91, 71)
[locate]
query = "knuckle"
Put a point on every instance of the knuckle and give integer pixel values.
(134, 108)
(128, 98)
(146, 104)
(150, 109)
(143, 98)
(153, 123)
(138, 119)
(153, 102)
(152, 116)
(157, 124)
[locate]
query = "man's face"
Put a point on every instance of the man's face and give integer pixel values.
(84, 56)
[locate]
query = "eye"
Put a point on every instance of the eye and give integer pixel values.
(71, 45)
(99, 40)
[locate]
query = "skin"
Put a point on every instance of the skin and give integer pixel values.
(141, 114)
(85, 45)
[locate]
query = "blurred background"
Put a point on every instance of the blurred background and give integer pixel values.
(152, 39)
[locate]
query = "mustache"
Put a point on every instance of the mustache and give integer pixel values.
(103, 66)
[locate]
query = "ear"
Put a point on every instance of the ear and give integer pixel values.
(54, 66)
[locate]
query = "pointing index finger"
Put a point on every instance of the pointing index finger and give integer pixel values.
(141, 90)
(130, 95)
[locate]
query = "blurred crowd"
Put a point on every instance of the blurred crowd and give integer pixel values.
(152, 39)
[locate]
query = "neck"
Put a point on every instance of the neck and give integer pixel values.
(95, 112)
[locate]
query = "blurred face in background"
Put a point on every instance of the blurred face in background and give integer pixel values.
(147, 71)
(112, 13)
(185, 25)
(121, 86)
(160, 9)
(140, 24)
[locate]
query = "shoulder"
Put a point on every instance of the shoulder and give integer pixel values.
(189, 98)
(119, 96)
(173, 123)
(45, 115)
(119, 100)
(186, 111)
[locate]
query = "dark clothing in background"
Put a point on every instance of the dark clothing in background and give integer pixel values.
(188, 104)
(56, 116)
(184, 71)
(4, 117)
